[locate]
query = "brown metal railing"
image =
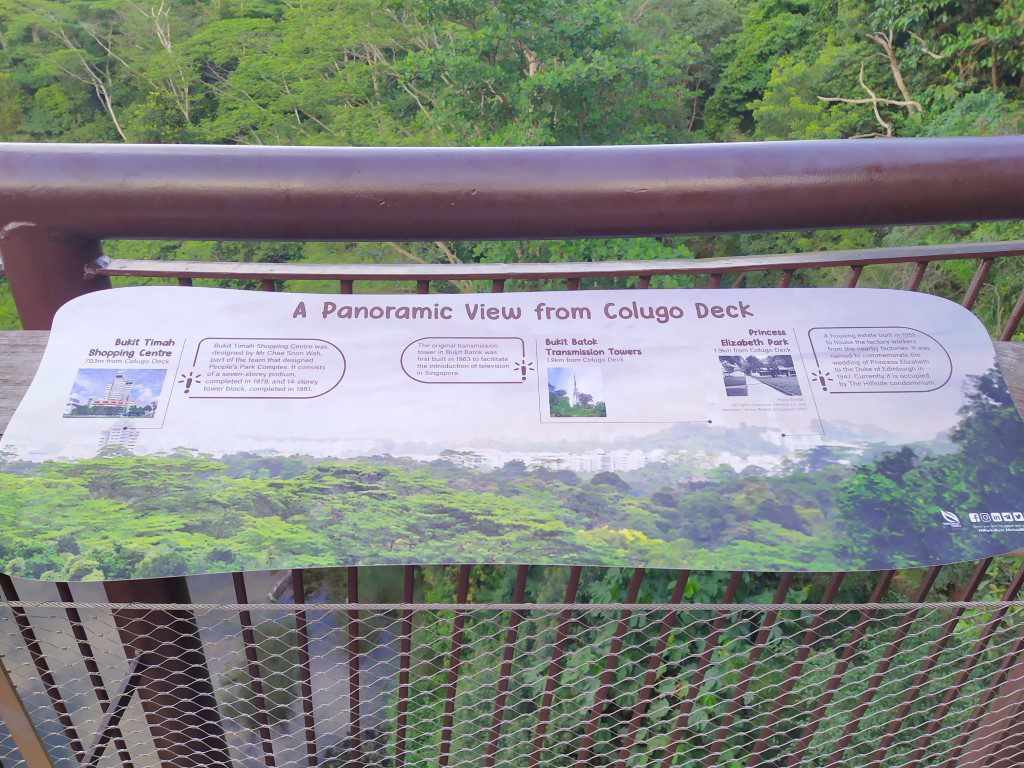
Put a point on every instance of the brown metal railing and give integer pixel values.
(57, 203)
(730, 683)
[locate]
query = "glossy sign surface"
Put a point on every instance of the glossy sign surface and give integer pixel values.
(176, 431)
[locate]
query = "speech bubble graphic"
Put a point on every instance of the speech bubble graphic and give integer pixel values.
(466, 360)
(263, 368)
(878, 360)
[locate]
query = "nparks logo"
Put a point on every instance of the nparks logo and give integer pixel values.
(949, 519)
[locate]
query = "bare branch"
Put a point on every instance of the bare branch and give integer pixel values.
(641, 9)
(532, 61)
(91, 74)
(464, 286)
(874, 100)
(448, 253)
(885, 42)
(924, 46)
(405, 86)
(874, 103)
(406, 253)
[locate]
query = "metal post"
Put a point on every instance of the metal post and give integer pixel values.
(38, 656)
(45, 269)
(259, 701)
(454, 661)
(404, 662)
(554, 667)
(95, 675)
(305, 670)
(175, 691)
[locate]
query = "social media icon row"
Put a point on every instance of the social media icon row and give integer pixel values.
(996, 517)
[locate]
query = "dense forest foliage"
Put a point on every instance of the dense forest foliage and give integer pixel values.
(443, 72)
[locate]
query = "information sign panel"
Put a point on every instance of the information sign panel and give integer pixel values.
(180, 431)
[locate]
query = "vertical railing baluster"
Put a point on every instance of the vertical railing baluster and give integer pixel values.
(554, 667)
(1010, 745)
(988, 695)
(1013, 321)
(305, 666)
(785, 278)
(888, 656)
(176, 689)
(404, 653)
(454, 660)
(185, 282)
(931, 659)
(611, 662)
(699, 673)
(953, 691)
(654, 663)
(268, 285)
(497, 285)
(504, 676)
(916, 276)
(115, 710)
(853, 276)
(422, 286)
(643, 282)
(572, 283)
(352, 628)
(793, 673)
(91, 667)
(346, 287)
(35, 652)
(846, 655)
(715, 280)
(977, 281)
(740, 691)
(252, 661)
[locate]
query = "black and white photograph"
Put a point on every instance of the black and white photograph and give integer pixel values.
(759, 376)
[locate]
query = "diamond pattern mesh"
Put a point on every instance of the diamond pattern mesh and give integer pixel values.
(530, 685)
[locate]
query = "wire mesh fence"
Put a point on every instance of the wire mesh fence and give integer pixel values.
(528, 685)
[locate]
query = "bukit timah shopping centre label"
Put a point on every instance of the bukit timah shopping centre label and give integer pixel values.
(188, 430)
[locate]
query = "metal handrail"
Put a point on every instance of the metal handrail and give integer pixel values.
(534, 271)
(95, 191)
(58, 201)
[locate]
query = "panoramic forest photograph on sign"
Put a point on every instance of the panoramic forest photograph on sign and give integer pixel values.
(831, 507)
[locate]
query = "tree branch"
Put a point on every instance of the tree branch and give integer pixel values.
(885, 42)
(874, 100)
(924, 46)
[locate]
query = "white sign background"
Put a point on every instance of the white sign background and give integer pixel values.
(376, 405)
